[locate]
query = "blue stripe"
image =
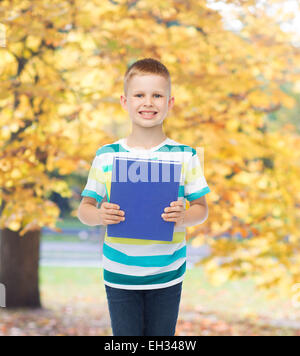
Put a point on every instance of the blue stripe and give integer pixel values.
(159, 278)
(91, 194)
(198, 194)
(142, 261)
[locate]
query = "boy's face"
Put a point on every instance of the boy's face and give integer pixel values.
(147, 93)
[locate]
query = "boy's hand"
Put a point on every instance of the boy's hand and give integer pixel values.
(111, 214)
(175, 213)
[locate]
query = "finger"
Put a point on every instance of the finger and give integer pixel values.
(111, 206)
(106, 205)
(115, 212)
(112, 222)
(177, 203)
(170, 219)
(114, 217)
(170, 215)
(175, 215)
(119, 212)
(174, 209)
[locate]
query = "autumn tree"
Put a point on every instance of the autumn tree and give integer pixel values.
(61, 79)
(44, 129)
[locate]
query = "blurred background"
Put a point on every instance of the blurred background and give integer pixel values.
(235, 69)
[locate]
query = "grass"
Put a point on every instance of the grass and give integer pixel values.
(74, 303)
(72, 222)
(239, 298)
(233, 298)
(66, 282)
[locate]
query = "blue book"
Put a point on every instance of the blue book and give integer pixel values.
(143, 188)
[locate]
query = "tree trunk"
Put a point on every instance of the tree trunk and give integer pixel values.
(19, 264)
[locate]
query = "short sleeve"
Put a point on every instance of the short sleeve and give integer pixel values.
(95, 186)
(195, 185)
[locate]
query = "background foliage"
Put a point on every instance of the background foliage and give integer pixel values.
(61, 79)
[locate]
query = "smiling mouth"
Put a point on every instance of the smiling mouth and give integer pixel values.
(147, 114)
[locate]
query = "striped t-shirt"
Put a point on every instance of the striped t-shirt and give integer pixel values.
(138, 263)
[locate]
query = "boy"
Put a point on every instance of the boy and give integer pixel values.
(143, 278)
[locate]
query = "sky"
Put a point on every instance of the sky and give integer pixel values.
(285, 6)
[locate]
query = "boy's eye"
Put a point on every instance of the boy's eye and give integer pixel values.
(154, 95)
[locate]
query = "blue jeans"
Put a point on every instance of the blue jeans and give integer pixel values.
(151, 312)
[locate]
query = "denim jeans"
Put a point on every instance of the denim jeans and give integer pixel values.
(152, 312)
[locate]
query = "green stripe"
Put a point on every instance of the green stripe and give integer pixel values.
(198, 194)
(113, 148)
(107, 168)
(159, 278)
(143, 261)
(181, 191)
(91, 194)
(175, 148)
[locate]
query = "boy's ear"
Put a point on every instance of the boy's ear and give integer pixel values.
(123, 102)
(171, 102)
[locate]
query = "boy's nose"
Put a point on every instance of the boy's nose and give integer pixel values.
(148, 101)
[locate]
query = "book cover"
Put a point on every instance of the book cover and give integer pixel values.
(143, 188)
